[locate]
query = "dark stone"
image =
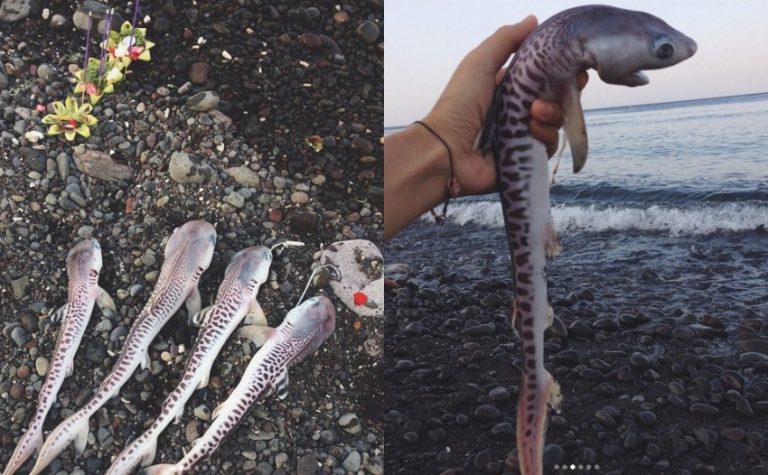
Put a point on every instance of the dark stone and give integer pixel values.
(307, 465)
(302, 221)
(368, 31)
(198, 73)
(487, 412)
(34, 159)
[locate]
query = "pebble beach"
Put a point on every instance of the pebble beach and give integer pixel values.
(658, 343)
(263, 119)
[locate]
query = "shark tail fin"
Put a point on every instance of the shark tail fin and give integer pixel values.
(532, 414)
(29, 444)
(75, 427)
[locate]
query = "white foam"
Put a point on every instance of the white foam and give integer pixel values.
(702, 219)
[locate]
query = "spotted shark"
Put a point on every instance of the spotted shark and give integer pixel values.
(302, 332)
(188, 254)
(235, 302)
(619, 44)
(83, 291)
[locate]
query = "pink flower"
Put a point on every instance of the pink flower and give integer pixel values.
(91, 89)
(134, 52)
(40, 108)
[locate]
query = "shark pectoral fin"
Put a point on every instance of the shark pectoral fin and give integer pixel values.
(550, 315)
(205, 374)
(575, 129)
(256, 315)
(194, 302)
(258, 334)
(555, 395)
(105, 303)
(81, 436)
(176, 418)
(59, 314)
(145, 360)
(149, 452)
(552, 241)
(199, 318)
(218, 410)
(514, 321)
(281, 385)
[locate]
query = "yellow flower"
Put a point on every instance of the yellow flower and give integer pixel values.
(129, 44)
(70, 119)
(90, 81)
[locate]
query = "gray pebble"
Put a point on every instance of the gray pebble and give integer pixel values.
(368, 31)
(46, 72)
(19, 287)
(352, 461)
(235, 199)
(203, 101)
(350, 423)
(185, 168)
(19, 336)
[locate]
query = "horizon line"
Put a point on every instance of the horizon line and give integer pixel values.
(639, 105)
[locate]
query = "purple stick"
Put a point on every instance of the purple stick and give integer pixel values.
(87, 48)
(132, 41)
(107, 27)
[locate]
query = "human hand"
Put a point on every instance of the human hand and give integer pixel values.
(461, 110)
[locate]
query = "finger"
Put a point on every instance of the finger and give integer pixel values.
(492, 53)
(548, 113)
(547, 134)
(582, 78)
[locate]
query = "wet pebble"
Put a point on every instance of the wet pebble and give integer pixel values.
(499, 394)
(647, 417)
(504, 431)
(701, 409)
(707, 437)
(487, 412)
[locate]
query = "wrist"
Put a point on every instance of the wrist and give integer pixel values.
(416, 170)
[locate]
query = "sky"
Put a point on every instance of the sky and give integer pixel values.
(426, 39)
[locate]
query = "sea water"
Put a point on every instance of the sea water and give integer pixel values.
(689, 167)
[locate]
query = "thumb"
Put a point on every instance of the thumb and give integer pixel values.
(490, 55)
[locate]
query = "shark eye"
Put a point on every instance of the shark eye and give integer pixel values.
(665, 51)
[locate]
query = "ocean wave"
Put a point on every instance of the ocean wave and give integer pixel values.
(727, 217)
(662, 193)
